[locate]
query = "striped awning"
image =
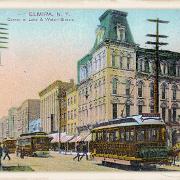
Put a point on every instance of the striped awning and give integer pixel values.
(66, 138)
(88, 138)
(75, 139)
(55, 137)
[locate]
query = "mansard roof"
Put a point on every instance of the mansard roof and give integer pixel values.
(109, 21)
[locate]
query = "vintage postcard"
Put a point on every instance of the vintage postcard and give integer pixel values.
(89, 90)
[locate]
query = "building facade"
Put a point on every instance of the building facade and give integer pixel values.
(27, 112)
(106, 74)
(72, 110)
(3, 127)
(12, 123)
(116, 78)
(52, 104)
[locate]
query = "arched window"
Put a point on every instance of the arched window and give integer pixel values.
(151, 89)
(127, 88)
(174, 94)
(128, 62)
(127, 109)
(163, 91)
(113, 60)
(114, 86)
(120, 62)
(140, 88)
(174, 114)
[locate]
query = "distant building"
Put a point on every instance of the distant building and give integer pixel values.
(3, 127)
(50, 106)
(27, 112)
(12, 123)
(72, 111)
(35, 126)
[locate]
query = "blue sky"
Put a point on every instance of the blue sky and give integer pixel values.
(41, 52)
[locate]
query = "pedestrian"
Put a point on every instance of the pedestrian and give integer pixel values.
(6, 152)
(1, 152)
(85, 151)
(77, 151)
(22, 153)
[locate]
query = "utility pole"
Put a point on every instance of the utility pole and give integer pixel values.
(3, 38)
(60, 98)
(156, 68)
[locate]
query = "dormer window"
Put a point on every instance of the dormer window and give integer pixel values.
(120, 33)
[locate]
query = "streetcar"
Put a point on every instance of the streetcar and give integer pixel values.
(35, 144)
(137, 141)
(10, 143)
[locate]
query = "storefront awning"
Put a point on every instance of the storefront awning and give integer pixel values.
(88, 138)
(66, 138)
(75, 139)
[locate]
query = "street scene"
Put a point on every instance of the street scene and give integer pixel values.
(89, 90)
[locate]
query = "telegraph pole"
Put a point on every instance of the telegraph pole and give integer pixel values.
(156, 68)
(60, 98)
(3, 37)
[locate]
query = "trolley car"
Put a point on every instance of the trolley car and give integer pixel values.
(34, 144)
(10, 143)
(137, 140)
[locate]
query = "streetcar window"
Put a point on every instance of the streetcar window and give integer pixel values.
(93, 136)
(127, 135)
(122, 136)
(163, 133)
(140, 135)
(111, 136)
(131, 135)
(152, 135)
(104, 136)
(116, 135)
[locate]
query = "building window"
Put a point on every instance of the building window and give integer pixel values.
(75, 114)
(68, 101)
(128, 62)
(146, 66)
(71, 100)
(140, 109)
(127, 110)
(113, 60)
(140, 90)
(178, 71)
(152, 90)
(64, 116)
(164, 68)
(120, 33)
(120, 62)
(174, 114)
(114, 86)
(163, 113)
(163, 91)
(127, 88)
(174, 94)
(71, 114)
(151, 109)
(140, 65)
(68, 115)
(114, 106)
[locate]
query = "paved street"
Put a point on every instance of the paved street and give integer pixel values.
(59, 163)
(56, 163)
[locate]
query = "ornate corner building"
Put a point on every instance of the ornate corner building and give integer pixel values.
(115, 79)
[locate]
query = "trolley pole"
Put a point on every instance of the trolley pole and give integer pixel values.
(156, 68)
